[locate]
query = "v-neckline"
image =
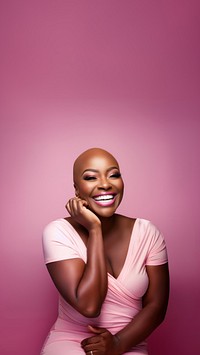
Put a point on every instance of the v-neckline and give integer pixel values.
(127, 254)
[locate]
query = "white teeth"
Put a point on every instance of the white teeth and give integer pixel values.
(103, 198)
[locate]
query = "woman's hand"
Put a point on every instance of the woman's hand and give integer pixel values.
(101, 343)
(78, 210)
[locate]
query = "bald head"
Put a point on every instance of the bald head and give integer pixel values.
(89, 159)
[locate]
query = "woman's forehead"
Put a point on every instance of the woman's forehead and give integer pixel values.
(94, 159)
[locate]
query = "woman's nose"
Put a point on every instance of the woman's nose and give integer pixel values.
(104, 184)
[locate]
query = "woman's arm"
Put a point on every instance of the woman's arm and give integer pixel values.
(152, 314)
(77, 282)
(155, 303)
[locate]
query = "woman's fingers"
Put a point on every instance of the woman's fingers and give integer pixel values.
(78, 210)
(75, 206)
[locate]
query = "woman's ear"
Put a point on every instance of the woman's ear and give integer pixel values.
(76, 190)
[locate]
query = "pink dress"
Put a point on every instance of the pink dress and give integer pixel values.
(124, 297)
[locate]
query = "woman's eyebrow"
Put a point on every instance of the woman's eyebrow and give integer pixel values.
(93, 170)
(113, 167)
(96, 171)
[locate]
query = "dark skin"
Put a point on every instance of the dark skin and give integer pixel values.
(106, 236)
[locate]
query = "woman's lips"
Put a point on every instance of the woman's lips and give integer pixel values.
(105, 199)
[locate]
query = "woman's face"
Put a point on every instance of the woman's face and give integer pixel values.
(98, 181)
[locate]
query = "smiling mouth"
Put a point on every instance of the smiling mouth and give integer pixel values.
(104, 197)
(104, 200)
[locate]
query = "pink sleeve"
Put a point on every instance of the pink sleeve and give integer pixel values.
(59, 243)
(157, 253)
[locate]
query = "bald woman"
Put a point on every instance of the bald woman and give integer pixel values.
(111, 271)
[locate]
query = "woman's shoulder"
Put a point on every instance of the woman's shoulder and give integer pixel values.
(147, 224)
(55, 223)
(58, 228)
(142, 225)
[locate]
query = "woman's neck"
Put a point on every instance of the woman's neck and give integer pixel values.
(108, 224)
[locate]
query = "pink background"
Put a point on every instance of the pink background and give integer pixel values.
(121, 75)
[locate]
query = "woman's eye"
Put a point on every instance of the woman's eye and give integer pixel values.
(89, 178)
(115, 175)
